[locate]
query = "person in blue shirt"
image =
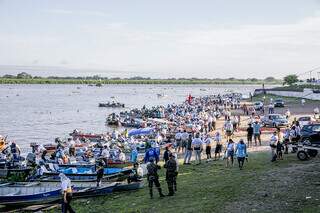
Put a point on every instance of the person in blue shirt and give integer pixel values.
(241, 152)
(256, 132)
(134, 155)
(151, 153)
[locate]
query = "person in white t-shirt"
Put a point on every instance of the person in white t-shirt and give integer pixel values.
(197, 147)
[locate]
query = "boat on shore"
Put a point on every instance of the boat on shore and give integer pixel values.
(35, 193)
(112, 105)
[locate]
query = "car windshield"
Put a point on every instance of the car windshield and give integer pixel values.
(278, 117)
(304, 119)
(279, 100)
(316, 128)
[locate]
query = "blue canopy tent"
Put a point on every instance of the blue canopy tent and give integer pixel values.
(141, 131)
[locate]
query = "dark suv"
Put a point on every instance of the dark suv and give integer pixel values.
(310, 135)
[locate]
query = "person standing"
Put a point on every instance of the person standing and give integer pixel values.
(218, 148)
(153, 177)
(189, 150)
(166, 154)
(207, 141)
(257, 132)
(171, 174)
(67, 193)
(184, 140)
(249, 135)
(100, 172)
(273, 145)
(197, 147)
(241, 152)
(178, 141)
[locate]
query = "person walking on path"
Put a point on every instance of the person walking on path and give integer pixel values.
(67, 193)
(171, 174)
(153, 177)
(257, 132)
(249, 135)
(189, 149)
(197, 147)
(228, 127)
(230, 153)
(241, 152)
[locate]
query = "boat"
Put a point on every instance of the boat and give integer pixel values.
(35, 193)
(113, 105)
(113, 120)
(15, 174)
(29, 195)
(83, 173)
(129, 186)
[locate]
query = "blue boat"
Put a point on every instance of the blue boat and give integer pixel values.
(22, 195)
(35, 193)
(87, 173)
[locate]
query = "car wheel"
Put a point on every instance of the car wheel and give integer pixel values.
(313, 153)
(302, 155)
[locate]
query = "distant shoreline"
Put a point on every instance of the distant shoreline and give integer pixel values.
(131, 81)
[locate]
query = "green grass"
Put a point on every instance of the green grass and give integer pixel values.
(296, 88)
(130, 81)
(201, 188)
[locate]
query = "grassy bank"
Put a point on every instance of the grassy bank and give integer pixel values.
(262, 186)
(287, 100)
(128, 81)
(296, 88)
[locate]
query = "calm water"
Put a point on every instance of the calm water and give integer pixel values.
(39, 113)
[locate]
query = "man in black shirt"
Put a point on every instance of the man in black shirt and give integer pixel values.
(249, 135)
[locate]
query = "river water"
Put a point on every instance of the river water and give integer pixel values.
(40, 113)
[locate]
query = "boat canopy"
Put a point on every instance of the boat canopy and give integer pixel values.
(141, 131)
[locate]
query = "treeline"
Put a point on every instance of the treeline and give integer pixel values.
(25, 78)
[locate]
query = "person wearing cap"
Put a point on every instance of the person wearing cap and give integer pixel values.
(67, 193)
(241, 152)
(171, 174)
(153, 177)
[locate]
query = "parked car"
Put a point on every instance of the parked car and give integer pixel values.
(306, 120)
(274, 120)
(258, 105)
(310, 135)
(278, 103)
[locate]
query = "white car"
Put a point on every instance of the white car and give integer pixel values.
(258, 105)
(306, 120)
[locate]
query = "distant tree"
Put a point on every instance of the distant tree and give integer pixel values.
(24, 75)
(269, 79)
(9, 76)
(290, 79)
(253, 79)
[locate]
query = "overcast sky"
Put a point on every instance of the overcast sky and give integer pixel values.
(164, 38)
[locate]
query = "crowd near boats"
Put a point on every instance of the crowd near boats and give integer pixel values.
(99, 164)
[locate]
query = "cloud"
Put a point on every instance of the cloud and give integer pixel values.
(242, 51)
(77, 12)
